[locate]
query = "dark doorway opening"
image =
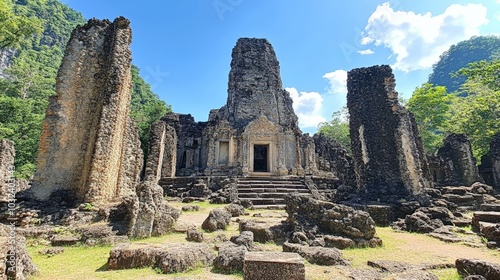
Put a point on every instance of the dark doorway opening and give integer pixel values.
(260, 158)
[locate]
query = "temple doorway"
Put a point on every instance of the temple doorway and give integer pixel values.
(260, 158)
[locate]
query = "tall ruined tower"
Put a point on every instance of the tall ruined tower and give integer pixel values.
(387, 150)
(254, 87)
(89, 145)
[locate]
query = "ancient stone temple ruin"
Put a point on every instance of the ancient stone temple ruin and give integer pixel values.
(387, 150)
(456, 164)
(490, 164)
(89, 145)
(255, 134)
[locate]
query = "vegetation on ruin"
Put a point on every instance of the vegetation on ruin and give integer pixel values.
(473, 110)
(338, 128)
(458, 56)
(37, 32)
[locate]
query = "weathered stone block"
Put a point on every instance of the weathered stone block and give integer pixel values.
(482, 216)
(231, 257)
(168, 258)
(458, 163)
(218, 218)
(488, 270)
(62, 240)
(388, 154)
(271, 266)
(317, 255)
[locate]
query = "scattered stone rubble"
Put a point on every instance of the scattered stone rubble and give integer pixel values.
(340, 226)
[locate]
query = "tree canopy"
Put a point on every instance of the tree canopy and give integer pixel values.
(458, 56)
(338, 128)
(474, 110)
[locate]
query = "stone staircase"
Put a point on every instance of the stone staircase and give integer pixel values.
(270, 192)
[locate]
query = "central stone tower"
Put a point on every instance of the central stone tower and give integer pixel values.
(255, 88)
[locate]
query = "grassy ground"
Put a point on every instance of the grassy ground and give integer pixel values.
(82, 262)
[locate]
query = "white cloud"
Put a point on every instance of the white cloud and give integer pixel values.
(337, 80)
(417, 40)
(307, 106)
(366, 52)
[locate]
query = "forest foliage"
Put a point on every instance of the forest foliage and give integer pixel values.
(37, 31)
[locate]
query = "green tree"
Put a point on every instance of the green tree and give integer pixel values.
(15, 28)
(338, 128)
(145, 106)
(477, 115)
(458, 56)
(21, 125)
(432, 108)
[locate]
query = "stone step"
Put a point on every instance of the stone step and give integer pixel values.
(273, 190)
(243, 188)
(484, 216)
(269, 185)
(265, 201)
(270, 207)
(268, 195)
(270, 178)
(269, 200)
(490, 207)
(270, 192)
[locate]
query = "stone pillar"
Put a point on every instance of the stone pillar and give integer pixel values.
(162, 159)
(7, 183)
(84, 145)
(387, 150)
(495, 160)
(459, 165)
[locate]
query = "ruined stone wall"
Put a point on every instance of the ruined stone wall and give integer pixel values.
(87, 131)
(495, 160)
(7, 183)
(333, 159)
(191, 146)
(162, 157)
(387, 149)
(458, 165)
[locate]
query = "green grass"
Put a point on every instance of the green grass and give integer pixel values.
(447, 274)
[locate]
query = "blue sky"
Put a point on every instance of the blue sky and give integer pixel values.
(184, 47)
